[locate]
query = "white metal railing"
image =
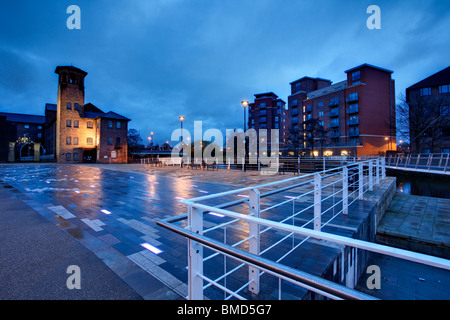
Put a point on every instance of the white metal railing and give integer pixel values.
(247, 236)
(433, 163)
(314, 201)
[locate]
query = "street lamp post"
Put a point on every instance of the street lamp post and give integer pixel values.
(181, 125)
(151, 137)
(245, 105)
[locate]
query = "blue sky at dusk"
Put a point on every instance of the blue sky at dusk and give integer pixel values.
(153, 60)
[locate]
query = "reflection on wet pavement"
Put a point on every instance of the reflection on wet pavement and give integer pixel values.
(113, 212)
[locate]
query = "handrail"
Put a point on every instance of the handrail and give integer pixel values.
(360, 244)
(309, 280)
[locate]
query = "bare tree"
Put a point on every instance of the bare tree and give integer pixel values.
(133, 140)
(309, 135)
(419, 120)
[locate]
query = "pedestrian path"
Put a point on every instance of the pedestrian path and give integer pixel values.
(417, 223)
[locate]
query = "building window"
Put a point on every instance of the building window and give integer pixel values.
(444, 88)
(320, 104)
(445, 110)
(69, 105)
(445, 150)
(90, 141)
(75, 123)
(68, 123)
(27, 126)
(262, 119)
(110, 141)
(262, 112)
(68, 156)
(425, 91)
(356, 75)
(277, 126)
(39, 135)
(75, 142)
(262, 126)
(75, 156)
(76, 106)
(320, 113)
(90, 125)
(118, 141)
(118, 125)
(110, 124)
(39, 127)
(68, 140)
(262, 105)
(321, 123)
(353, 96)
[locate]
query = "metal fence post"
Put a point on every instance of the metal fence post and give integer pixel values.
(370, 175)
(446, 163)
(383, 168)
(360, 181)
(298, 168)
(195, 255)
(317, 202)
(345, 190)
(378, 166)
(254, 243)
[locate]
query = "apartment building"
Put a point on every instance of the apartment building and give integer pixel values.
(352, 117)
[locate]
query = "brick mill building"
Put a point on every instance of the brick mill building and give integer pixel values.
(357, 114)
(72, 131)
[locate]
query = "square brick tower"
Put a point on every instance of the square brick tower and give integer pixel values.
(70, 106)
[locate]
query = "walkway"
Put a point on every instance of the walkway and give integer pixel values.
(417, 223)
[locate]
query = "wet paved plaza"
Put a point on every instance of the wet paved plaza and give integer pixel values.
(113, 213)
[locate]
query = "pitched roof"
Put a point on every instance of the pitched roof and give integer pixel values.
(113, 115)
(23, 118)
(369, 66)
(439, 78)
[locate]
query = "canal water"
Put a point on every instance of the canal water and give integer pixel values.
(429, 185)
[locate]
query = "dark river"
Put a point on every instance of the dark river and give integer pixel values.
(429, 185)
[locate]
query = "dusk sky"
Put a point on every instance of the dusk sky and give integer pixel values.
(154, 60)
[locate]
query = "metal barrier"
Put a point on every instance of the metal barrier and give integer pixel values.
(245, 236)
(431, 163)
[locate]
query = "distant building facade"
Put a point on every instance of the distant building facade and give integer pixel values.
(71, 131)
(429, 113)
(268, 112)
(353, 117)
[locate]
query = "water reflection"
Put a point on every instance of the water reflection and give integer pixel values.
(429, 186)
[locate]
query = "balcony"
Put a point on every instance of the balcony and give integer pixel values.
(334, 113)
(353, 133)
(334, 125)
(352, 98)
(293, 103)
(333, 103)
(334, 135)
(352, 122)
(353, 109)
(308, 109)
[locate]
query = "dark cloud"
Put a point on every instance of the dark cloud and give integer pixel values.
(155, 60)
